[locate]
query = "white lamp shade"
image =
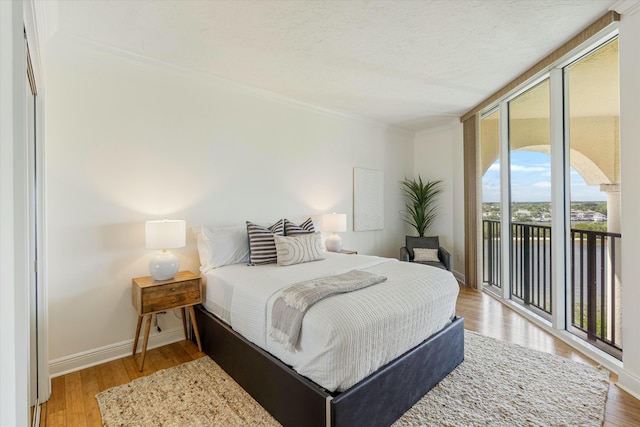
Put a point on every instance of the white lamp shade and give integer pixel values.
(165, 234)
(334, 222)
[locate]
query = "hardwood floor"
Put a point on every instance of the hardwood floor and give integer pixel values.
(72, 401)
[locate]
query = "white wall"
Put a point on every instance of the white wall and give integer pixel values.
(629, 46)
(438, 154)
(130, 140)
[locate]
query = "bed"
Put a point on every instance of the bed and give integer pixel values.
(403, 330)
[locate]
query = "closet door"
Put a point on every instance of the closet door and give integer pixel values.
(39, 385)
(30, 140)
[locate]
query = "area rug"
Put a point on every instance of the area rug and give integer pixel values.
(498, 384)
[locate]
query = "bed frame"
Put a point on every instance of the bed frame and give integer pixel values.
(294, 400)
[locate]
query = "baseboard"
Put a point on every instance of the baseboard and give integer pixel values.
(629, 383)
(459, 276)
(86, 359)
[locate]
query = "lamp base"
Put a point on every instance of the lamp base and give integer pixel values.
(334, 243)
(164, 265)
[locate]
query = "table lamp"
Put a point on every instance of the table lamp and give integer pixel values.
(335, 223)
(164, 234)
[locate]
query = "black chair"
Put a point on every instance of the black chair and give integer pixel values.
(407, 254)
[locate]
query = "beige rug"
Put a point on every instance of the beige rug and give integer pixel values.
(498, 384)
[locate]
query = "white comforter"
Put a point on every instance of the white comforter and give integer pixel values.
(344, 337)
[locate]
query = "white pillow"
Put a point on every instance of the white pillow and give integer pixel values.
(425, 255)
(298, 249)
(220, 246)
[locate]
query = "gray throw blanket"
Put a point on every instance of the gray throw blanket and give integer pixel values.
(290, 307)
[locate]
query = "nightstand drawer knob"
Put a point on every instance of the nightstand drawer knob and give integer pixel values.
(173, 289)
(173, 302)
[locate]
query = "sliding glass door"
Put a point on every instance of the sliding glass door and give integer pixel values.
(530, 194)
(491, 207)
(551, 198)
(591, 91)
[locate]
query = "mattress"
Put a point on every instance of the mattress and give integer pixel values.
(346, 337)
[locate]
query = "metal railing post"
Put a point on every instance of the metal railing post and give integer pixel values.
(526, 264)
(591, 286)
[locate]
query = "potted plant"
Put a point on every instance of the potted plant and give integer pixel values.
(422, 208)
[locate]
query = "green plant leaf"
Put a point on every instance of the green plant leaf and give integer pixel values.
(422, 208)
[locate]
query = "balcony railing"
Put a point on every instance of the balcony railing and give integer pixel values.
(492, 255)
(531, 266)
(594, 289)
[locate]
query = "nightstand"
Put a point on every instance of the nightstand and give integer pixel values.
(348, 252)
(151, 296)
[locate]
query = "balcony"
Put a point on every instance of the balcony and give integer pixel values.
(594, 286)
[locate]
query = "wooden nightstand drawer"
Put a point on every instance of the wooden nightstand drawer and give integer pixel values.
(149, 296)
(170, 289)
(164, 302)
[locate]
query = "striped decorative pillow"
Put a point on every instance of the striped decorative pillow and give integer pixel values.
(262, 248)
(299, 249)
(290, 229)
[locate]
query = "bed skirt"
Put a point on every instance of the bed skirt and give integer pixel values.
(294, 400)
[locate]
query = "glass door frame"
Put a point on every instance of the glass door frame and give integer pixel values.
(560, 188)
(560, 323)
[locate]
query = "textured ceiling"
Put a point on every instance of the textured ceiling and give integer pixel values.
(413, 64)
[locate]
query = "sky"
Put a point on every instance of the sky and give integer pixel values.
(531, 181)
